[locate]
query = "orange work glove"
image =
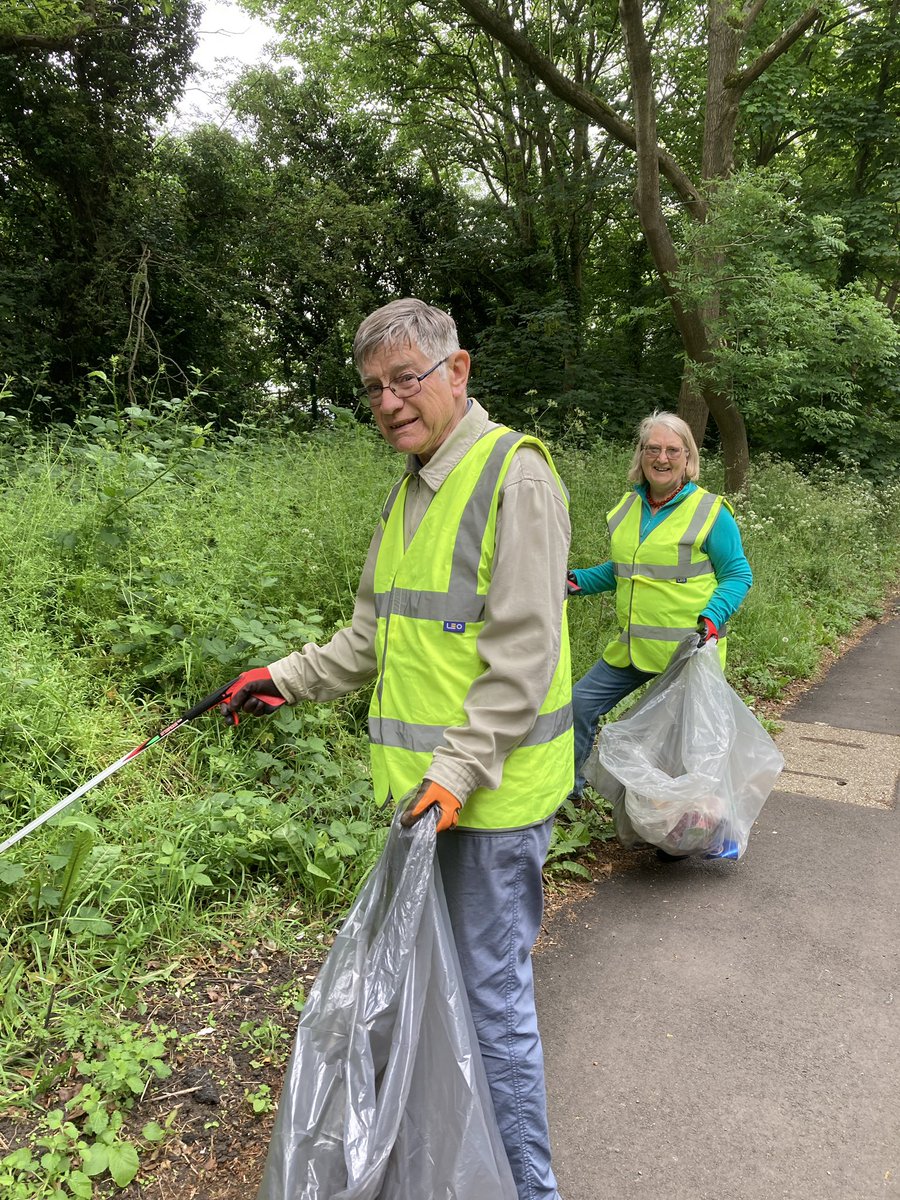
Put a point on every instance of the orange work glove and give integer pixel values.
(426, 797)
(253, 692)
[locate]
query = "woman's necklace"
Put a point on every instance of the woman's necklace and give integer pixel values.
(656, 505)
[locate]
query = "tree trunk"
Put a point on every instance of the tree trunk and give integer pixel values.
(693, 408)
(733, 432)
(692, 322)
(724, 40)
(727, 30)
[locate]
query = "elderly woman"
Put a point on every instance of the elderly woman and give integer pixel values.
(677, 567)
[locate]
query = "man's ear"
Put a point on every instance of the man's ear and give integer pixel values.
(458, 366)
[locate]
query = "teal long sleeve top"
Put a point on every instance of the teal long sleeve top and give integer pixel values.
(723, 547)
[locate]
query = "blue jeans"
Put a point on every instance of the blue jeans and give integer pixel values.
(492, 882)
(594, 695)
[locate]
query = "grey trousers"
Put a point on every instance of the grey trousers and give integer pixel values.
(492, 882)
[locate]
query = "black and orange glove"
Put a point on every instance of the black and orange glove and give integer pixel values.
(573, 587)
(707, 631)
(252, 692)
(427, 795)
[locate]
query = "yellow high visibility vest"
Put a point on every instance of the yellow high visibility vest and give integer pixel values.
(429, 606)
(663, 582)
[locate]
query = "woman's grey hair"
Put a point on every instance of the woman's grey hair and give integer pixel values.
(406, 322)
(675, 425)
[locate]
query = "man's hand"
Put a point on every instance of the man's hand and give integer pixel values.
(427, 795)
(573, 588)
(707, 631)
(252, 692)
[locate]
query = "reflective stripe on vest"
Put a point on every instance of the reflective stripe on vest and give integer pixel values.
(663, 582)
(429, 603)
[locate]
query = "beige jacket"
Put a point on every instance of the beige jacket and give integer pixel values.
(523, 616)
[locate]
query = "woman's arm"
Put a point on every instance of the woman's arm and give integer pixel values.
(733, 574)
(601, 578)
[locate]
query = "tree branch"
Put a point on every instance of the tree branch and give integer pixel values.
(777, 48)
(579, 97)
(752, 11)
(15, 43)
(647, 195)
(63, 39)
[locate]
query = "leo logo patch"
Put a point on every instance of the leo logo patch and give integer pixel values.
(454, 627)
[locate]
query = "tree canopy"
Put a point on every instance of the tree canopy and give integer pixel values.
(624, 206)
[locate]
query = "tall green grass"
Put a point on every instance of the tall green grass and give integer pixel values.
(144, 564)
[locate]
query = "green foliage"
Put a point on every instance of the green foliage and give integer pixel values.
(85, 1141)
(317, 220)
(75, 119)
(147, 560)
(122, 1061)
(72, 1156)
(833, 113)
(574, 832)
(822, 548)
(813, 367)
(260, 1099)
(264, 1036)
(409, 153)
(539, 185)
(58, 22)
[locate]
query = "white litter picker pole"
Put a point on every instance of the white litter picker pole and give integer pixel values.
(203, 706)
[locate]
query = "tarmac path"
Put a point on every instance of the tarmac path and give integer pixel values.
(731, 1031)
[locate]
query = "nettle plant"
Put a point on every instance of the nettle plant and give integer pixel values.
(83, 1142)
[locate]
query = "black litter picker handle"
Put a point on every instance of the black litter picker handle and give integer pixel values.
(209, 701)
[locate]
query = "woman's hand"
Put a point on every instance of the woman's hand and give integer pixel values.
(707, 631)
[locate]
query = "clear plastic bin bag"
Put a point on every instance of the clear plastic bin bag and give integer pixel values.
(689, 767)
(385, 1096)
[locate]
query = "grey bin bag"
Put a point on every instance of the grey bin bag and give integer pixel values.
(689, 767)
(385, 1096)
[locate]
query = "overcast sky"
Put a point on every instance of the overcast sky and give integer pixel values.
(227, 40)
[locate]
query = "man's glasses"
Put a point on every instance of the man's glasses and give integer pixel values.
(403, 386)
(673, 453)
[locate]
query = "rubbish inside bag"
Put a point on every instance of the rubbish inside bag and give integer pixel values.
(689, 767)
(385, 1096)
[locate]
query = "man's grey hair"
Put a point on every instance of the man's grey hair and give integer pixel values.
(675, 425)
(406, 322)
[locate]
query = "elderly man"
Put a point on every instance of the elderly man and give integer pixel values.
(459, 620)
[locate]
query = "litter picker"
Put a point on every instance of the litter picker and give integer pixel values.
(202, 706)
